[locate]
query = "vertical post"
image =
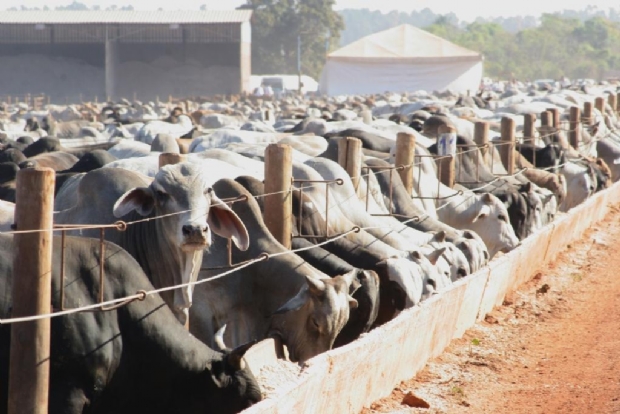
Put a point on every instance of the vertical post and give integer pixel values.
(546, 119)
(167, 158)
(555, 117)
(299, 63)
(599, 103)
(32, 292)
(405, 153)
(574, 135)
(507, 149)
(612, 100)
(481, 137)
(529, 128)
(588, 113)
(350, 158)
(367, 116)
(446, 163)
(617, 102)
(110, 65)
(278, 179)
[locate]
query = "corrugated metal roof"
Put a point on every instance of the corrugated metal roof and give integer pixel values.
(123, 16)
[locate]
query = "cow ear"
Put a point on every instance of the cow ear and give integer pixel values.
(315, 286)
(435, 255)
(484, 212)
(415, 255)
(224, 222)
(235, 357)
(139, 199)
(295, 302)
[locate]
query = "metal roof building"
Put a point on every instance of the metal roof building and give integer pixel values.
(125, 53)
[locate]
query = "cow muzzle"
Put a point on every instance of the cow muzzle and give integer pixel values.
(194, 236)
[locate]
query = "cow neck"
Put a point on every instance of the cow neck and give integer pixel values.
(163, 262)
(164, 344)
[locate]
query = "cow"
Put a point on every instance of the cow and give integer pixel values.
(282, 296)
(170, 247)
(133, 359)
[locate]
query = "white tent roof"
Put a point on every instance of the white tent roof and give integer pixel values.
(404, 43)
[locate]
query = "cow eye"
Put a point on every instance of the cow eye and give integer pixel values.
(315, 323)
(208, 190)
(503, 218)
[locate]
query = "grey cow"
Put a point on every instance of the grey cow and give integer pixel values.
(170, 248)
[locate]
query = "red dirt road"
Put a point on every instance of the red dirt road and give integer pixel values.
(554, 347)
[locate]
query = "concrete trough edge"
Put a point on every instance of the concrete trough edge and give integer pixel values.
(352, 377)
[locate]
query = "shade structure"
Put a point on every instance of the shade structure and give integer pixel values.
(401, 59)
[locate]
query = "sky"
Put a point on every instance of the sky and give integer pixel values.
(466, 10)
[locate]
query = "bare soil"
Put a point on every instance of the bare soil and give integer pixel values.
(553, 347)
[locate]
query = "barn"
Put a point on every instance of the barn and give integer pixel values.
(70, 55)
(401, 59)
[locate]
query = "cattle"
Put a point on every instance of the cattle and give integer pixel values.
(550, 157)
(580, 183)
(169, 248)
(135, 358)
(66, 129)
(483, 213)
(282, 296)
(364, 315)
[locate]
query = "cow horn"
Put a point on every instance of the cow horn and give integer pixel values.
(219, 339)
(435, 255)
(235, 357)
(440, 236)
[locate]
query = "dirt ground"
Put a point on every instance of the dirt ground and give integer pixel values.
(553, 347)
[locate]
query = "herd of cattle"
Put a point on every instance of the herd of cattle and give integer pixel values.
(140, 357)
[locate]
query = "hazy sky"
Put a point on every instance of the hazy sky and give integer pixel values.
(464, 9)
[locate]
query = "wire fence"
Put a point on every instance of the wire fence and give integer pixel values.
(456, 196)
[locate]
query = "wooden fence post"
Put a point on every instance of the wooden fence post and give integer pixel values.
(546, 118)
(350, 158)
(612, 100)
(167, 158)
(446, 164)
(599, 103)
(481, 137)
(617, 102)
(574, 135)
(529, 128)
(508, 147)
(405, 154)
(32, 292)
(588, 113)
(278, 179)
(555, 117)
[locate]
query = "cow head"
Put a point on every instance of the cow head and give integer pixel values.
(182, 196)
(312, 318)
(490, 220)
(188, 211)
(233, 387)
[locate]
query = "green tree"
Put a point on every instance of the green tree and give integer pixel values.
(276, 25)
